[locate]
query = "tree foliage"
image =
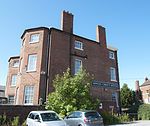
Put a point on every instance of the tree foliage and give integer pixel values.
(144, 112)
(126, 96)
(71, 93)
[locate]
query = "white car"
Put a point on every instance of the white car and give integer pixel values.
(44, 118)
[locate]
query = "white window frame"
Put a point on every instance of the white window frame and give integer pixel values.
(13, 79)
(28, 95)
(31, 67)
(78, 45)
(112, 74)
(111, 55)
(77, 68)
(34, 38)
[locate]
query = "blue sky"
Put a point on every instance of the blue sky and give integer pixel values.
(127, 24)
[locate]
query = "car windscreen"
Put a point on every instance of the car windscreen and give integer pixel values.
(92, 115)
(49, 117)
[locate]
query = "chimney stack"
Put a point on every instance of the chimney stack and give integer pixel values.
(137, 87)
(67, 22)
(101, 35)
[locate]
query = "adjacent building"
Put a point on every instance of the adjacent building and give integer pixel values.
(46, 52)
(145, 90)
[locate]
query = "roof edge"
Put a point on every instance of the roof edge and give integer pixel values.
(112, 48)
(13, 57)
(31, 29)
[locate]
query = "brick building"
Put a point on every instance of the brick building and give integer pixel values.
(145, 90)
(46, 52)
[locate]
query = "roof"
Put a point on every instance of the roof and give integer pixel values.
(146, 83)
(43, 111)
(13, 57)
(86, 111)
(112, 48)
(32, 29)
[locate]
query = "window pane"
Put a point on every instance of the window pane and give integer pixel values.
(11, 99)
(78, 45)
(113, 97)
(16, 63)
(28, 95)
(14, 80)
(78, 65)
(32, 63)
(34, 38)
(113, 74)
(111, 55)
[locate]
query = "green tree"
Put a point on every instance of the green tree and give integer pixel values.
(126, 96)
(71, 93)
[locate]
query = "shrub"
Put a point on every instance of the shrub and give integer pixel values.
(144, 112)
(15, 121)
(109, 119)
(114, 119)
(24, 123)
(3, 119)
(124, 118)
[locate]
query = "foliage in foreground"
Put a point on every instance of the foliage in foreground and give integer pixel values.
(5, 122)
(71, 93)
(114, 119)
(144, 112)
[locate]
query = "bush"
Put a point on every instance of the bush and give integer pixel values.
(15, 121)
(24, 123)
(144, 112)
(3, 120)
(109, 119)
(124, 118)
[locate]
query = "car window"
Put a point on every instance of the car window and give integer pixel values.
(31, 115)
(37, 117)
(71, 115)
(77, 114)
(92, 114)
(49, 117)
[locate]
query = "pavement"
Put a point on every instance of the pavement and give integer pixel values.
(135, 123)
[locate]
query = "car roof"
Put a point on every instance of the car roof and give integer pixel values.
(46, 111)
(86, 111)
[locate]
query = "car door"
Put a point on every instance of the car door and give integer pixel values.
(37, 121)
(30, 119)
(77, 118)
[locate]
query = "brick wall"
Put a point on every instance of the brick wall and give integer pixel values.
(12, 111)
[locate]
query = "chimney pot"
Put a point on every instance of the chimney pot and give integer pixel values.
(146, 79)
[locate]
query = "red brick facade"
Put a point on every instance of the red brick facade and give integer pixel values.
(56, 52)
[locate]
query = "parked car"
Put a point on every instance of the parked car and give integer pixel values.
(84, 118)
(44, 118)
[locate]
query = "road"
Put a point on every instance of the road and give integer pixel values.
(136, 123)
